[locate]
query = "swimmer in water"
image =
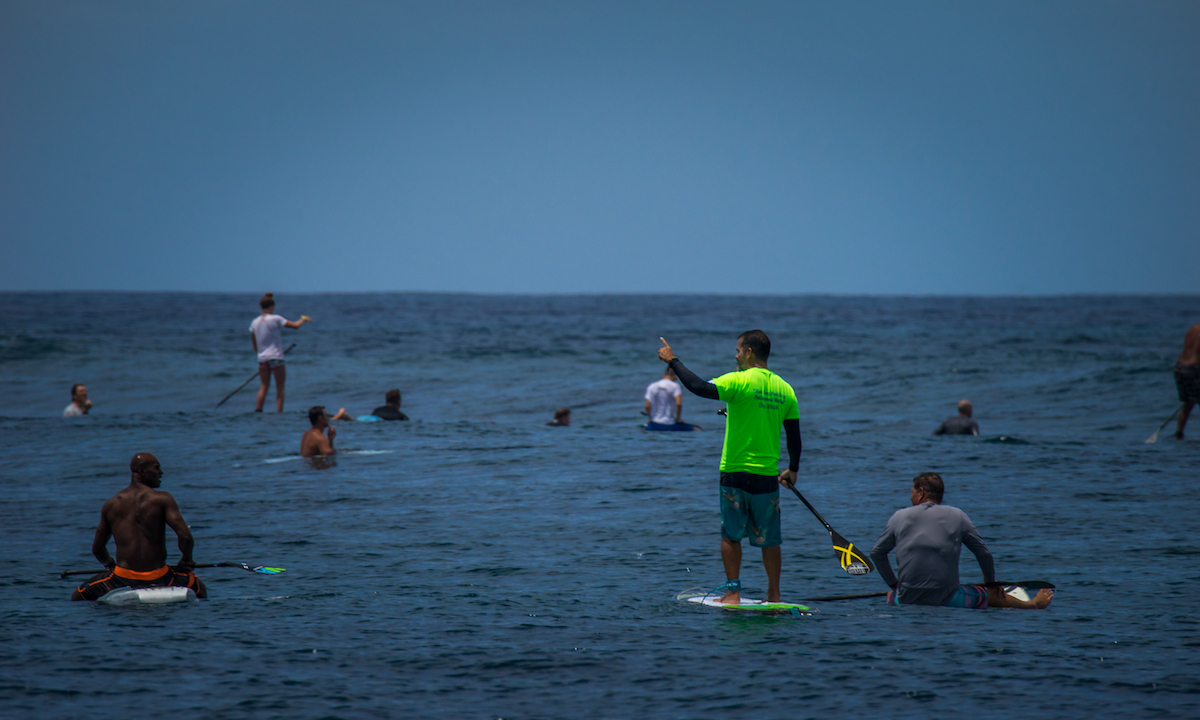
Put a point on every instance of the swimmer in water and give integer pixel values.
(1187, 376)
(314, 442)
(136, 518)
(266, 335)
(961, 424)
(562, 418)
(664, 404)
(80, 405)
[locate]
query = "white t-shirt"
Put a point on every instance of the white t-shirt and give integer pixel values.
(268, 333)
(72, 410)
(662, 396)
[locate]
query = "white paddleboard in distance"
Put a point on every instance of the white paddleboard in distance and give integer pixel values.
(707, 598)
(147, 596)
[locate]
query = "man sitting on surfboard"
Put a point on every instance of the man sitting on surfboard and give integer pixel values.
(664, 405)
(928, 538)
(136, 518)
(313, 441)
(758, 402)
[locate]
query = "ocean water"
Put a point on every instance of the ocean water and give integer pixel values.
(475, 563)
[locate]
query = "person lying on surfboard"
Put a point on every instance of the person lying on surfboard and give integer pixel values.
(136, 519)
(928, 538)
(758, 402)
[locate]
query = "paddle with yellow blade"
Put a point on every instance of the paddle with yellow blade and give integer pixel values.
(853, 560)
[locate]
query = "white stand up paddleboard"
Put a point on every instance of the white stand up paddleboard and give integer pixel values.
(708, 598)
(147, 596)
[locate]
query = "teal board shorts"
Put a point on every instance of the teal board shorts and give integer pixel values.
(973, 597)
(750, 509)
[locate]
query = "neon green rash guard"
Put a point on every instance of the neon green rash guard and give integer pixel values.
(758, 402)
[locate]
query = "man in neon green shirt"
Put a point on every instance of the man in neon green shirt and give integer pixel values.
(758, 402)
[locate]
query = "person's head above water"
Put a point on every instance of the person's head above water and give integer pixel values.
(79, 394)
(927, 487)
(753, 349)
(392, 398)
(317, 416)
(562, 416)
(964, 408)
(145, 469)
(267, 302)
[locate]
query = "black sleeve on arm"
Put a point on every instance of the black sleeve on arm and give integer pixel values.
(692, 382)
(792, 428)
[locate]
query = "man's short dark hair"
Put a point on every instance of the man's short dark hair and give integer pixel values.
(930, 484)
(392, 397)
(757, 342)
(75, 388)
(314, 413)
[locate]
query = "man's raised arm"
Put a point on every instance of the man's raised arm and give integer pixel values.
(689, 379)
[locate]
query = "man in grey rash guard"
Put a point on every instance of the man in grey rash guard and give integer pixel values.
(960, 424)
(928, 538)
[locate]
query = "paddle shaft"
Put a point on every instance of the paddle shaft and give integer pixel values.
(66, 573)
(1154, 438)
(239, 387)
(810, 507)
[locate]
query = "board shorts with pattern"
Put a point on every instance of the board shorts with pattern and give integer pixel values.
(750, 508)
(1187, 382)
(103, 582)
(973, 597)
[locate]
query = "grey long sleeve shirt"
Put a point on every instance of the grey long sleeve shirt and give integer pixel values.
(928, 539)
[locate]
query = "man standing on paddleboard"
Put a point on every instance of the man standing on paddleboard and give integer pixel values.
(1187, 377)
(136, 518)
(758, 403)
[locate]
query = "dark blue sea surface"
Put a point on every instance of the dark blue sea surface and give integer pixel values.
(475, 563)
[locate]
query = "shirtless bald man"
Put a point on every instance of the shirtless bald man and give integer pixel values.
(1187, 376)
(136, 518)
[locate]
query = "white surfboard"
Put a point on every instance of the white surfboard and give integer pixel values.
(147, 596)
(747, 605)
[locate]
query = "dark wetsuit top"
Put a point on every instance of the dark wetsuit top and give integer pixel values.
(704, 389)
(387, 412)
(958, 425)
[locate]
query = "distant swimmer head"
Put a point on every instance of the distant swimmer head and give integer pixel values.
(146, 469)
(964, 408)
(267, 302)
(753, 349)
(316, 413)
(562, 416)
(392, 397)
(928, 487)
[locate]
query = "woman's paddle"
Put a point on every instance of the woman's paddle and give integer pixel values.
(239, 387)
(252, 568)
(1154, 438)
(851, 559)
(1027, 584)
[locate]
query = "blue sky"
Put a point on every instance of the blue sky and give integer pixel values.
(541, 147)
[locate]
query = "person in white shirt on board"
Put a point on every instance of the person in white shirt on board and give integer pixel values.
(79, 401)
(664, 404)
(266, 334)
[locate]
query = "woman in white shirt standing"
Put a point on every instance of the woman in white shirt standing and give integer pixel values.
(266, 333)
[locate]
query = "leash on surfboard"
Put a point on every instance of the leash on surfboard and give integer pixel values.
(239, 387)
(852, 561)
(259, 569)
